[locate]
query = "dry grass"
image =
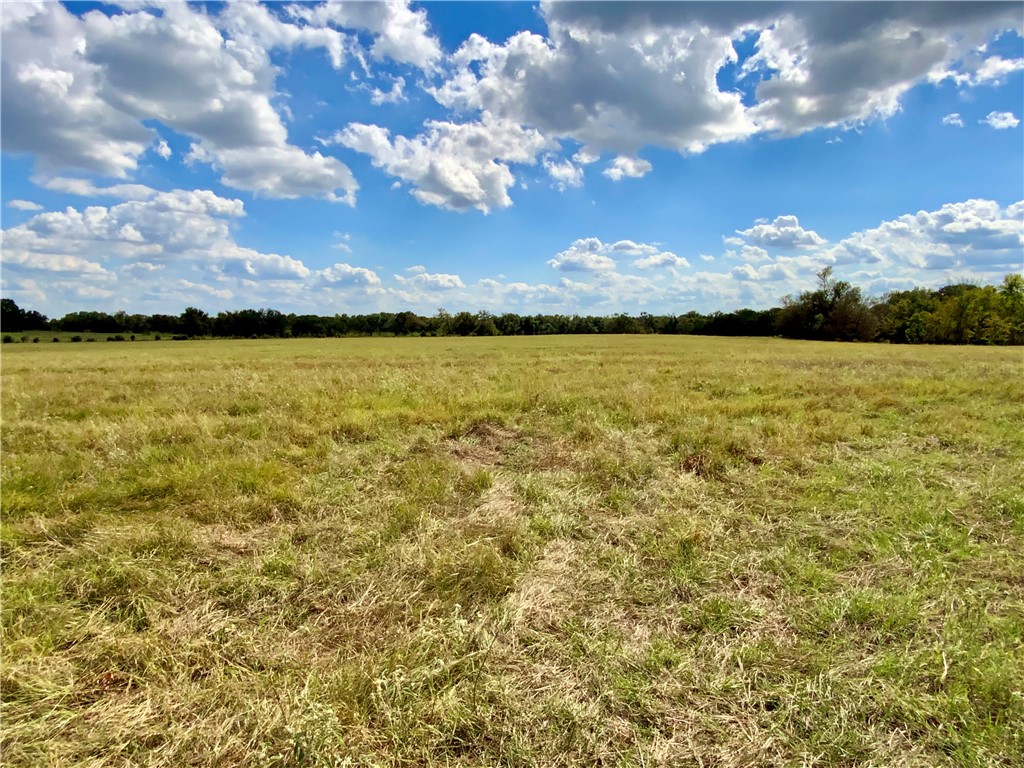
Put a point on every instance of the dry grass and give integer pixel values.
(553, 551)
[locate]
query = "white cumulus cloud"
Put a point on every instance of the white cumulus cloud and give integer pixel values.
(345, 274)
(589, 254)
(584, 255)
(748, 253)
(451, 165)
(974, 233)
(979, 70)
(627, 167)
(1001, 120)
(422, 279)
(564, 173)
(784, 232)
(80, 90)
(663, 259)
(399, 32)
(394, 95)
(621, 76)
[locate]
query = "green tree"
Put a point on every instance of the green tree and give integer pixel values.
(836, 311)
(903, 316)
(485, 325)
(10, 315)
(195, 322)
(463, 324)
(1012, 294)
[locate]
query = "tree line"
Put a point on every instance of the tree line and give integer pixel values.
(835, 311)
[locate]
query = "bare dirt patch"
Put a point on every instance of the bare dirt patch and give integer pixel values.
(484, 445)
(697, 464)
(221, 542)
(547, 592)
(499, 502)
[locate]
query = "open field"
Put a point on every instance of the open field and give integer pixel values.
(625, 551)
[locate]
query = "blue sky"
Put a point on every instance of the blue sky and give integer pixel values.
(574, 157)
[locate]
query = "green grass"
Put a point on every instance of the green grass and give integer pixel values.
(625, 551)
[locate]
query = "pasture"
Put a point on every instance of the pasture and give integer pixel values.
(617, 551)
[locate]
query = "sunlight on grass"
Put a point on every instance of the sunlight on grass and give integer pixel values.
(519, 551)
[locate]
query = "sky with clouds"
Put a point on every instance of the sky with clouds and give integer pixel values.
(555, 157)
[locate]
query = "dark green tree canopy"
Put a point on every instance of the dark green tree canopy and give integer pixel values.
(835, 311)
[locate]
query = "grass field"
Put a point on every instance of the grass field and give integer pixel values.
(631, 551)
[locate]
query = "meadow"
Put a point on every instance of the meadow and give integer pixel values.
(552, 551)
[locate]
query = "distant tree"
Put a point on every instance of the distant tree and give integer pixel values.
(164, 323)
(133, 323)
(14, 318)
(545, 325)
(308, 325)
(442, 323)
(273, 323)
(622, 323)
(836, 311)
(94, 322)
(583, 325)
(970, 316)
(485, 325)
(195, 322)
(1012, 293)
(11, 315)
(650, 323)
(902, 316)
(407, 323)
(955, 314)
(509, 324)
(691, 322)
(339, 325)
(462, 324)
(849, 317)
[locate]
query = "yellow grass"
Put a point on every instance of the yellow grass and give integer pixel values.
(518, 551)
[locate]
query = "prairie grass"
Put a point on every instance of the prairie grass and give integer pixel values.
(627, 551)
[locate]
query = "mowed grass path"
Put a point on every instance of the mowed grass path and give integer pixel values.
(553, 551)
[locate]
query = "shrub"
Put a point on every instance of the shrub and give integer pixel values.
(56, 340)
(157, 337)
(24, 339)
(8, 339)
(132, 337)
(35, 340)
(76, 338)
(90, 339)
